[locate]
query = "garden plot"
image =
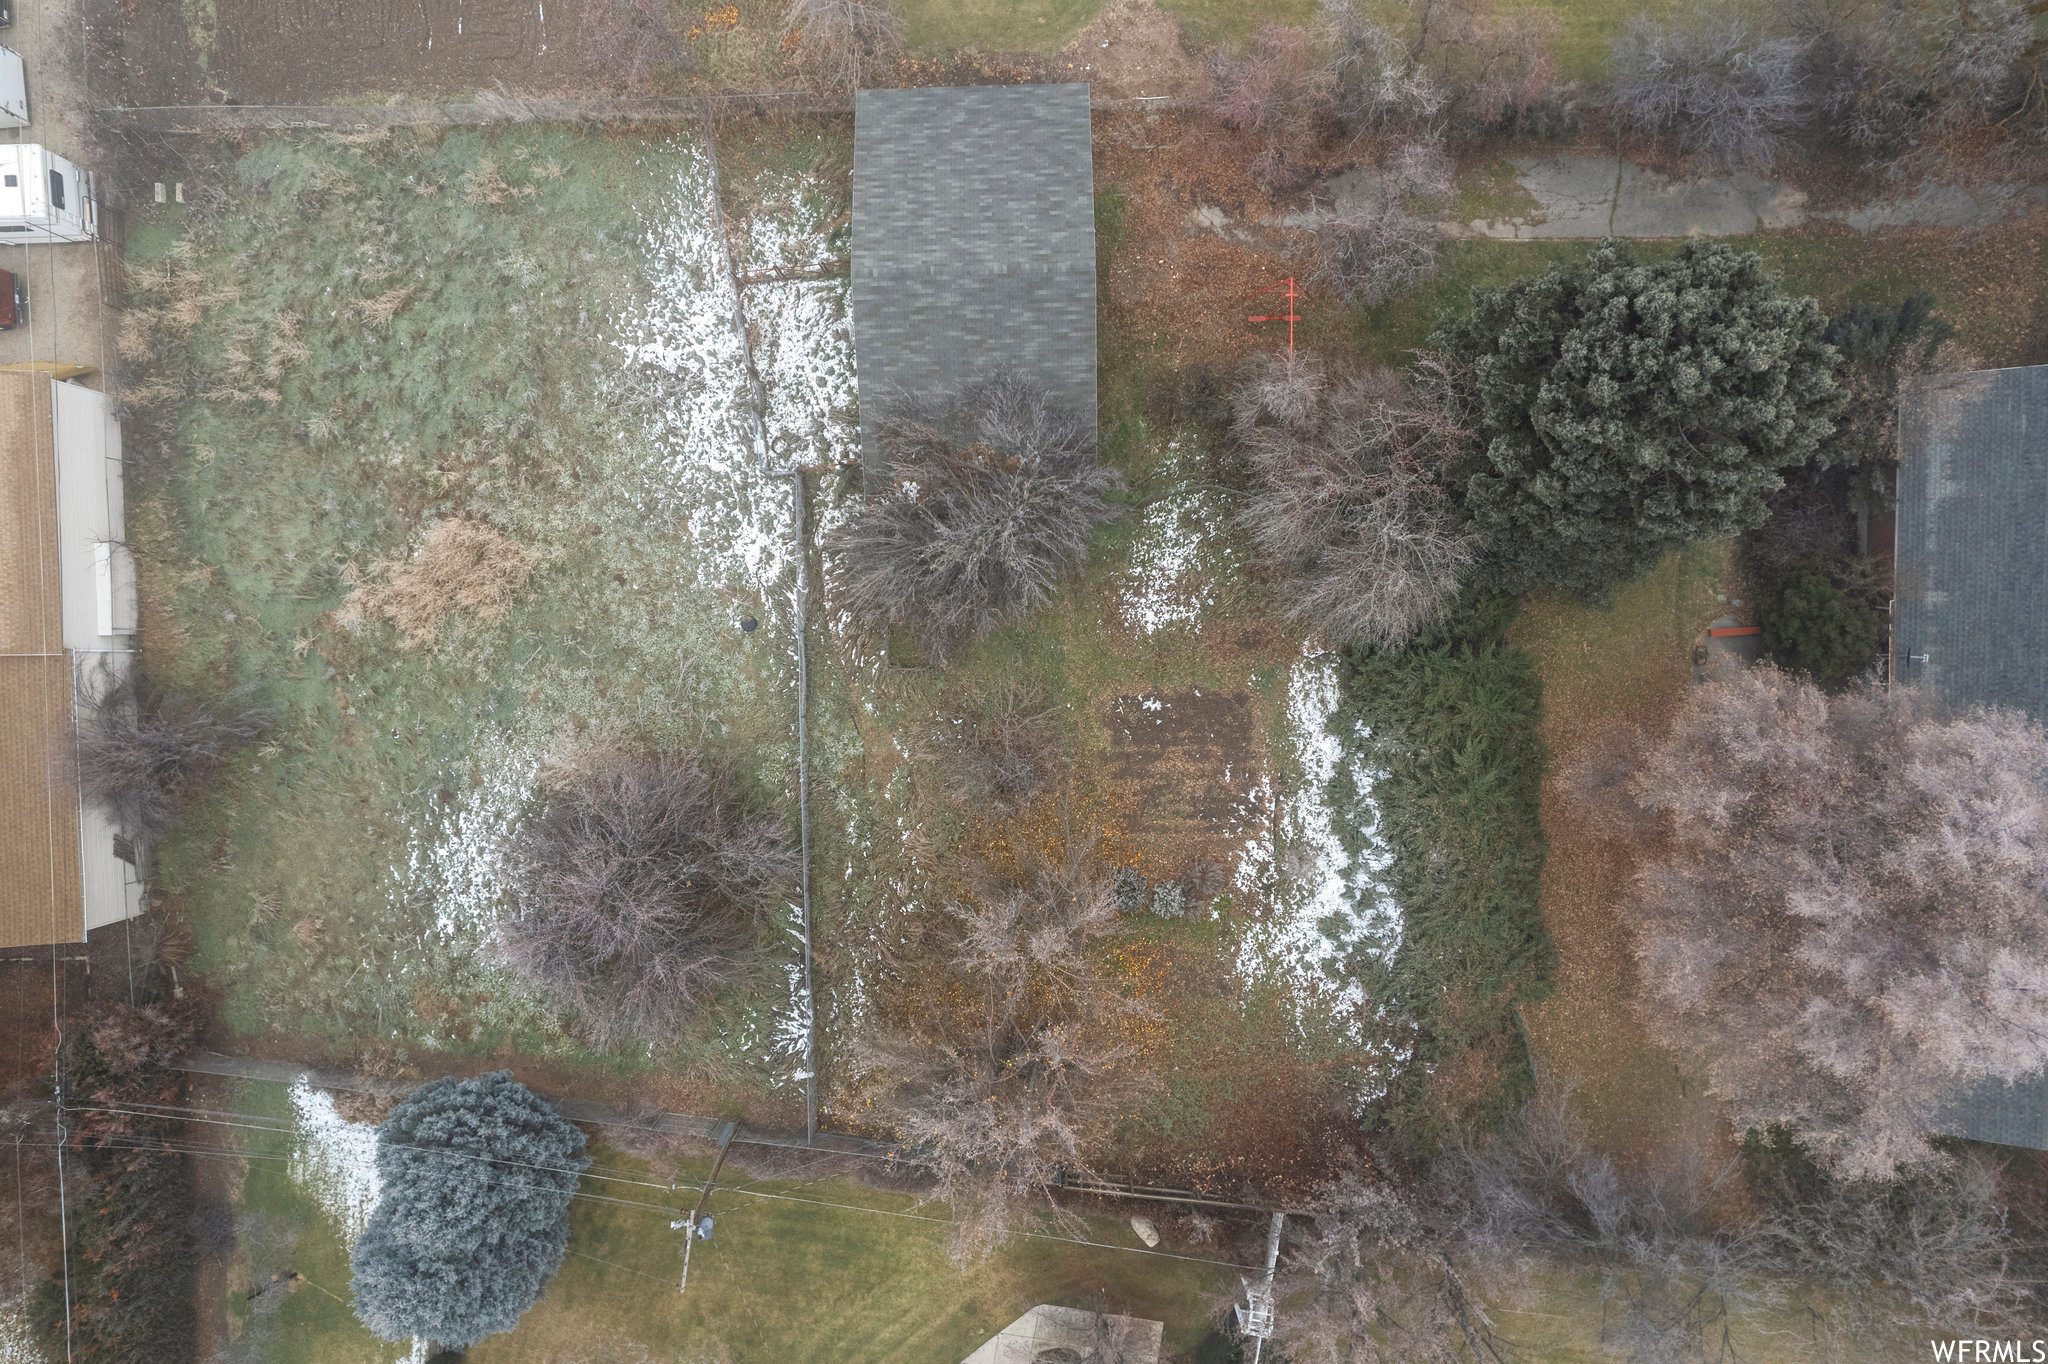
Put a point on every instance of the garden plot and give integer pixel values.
(529, 330)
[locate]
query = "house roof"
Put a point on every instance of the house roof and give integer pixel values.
(1970, 605)
(1971, 570)
(973, 241)
(41, 894)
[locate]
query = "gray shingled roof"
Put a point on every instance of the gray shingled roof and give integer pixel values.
(973, 241)
(1971, 595)
(1972, 565)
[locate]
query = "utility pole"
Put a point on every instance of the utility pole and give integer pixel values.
(688, 1225)
(1255, 1313)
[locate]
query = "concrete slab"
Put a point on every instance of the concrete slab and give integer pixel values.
(1070, 1335)
(1587, 196)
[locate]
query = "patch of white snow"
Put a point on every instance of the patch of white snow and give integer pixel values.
(334, 1160)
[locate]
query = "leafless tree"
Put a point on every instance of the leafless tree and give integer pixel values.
(1377, 243)
(1375, 1274)
(143, 749)
(841, 40)
(1280, 87)
(1379, 82)
(635, 42)
(1495, 66)
(1712, 83)
(1845, 924)
(1882, 74)
(1020, 1062)
(1932, 1249)
(1673, 1285)
(640, 886)
(1345, 499)
(998, 753)
(994, 491)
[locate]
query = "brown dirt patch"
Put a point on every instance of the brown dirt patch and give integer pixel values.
(1172, 287)
(1187, 763)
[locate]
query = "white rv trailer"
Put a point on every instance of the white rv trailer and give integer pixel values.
(13, 90)
(45, 198)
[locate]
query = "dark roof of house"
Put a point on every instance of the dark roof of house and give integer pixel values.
(1971, 585)
(1994, 1111)
(1971, 595)
(973, 241)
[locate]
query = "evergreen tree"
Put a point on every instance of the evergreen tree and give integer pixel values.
(1624, 409)
(473, 1216)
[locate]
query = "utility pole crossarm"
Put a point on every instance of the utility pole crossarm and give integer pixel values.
(688, 1226)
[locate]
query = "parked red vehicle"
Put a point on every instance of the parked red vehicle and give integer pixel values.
(13, 300)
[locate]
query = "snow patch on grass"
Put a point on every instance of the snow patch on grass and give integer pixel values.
(1317, 886)
(1182, 553)
(334, 1161)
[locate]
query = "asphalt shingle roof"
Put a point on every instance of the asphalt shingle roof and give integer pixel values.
(973, 241)
(1971, 596)
(1972, 565)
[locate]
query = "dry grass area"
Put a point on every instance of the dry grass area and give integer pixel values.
(462, 563)
(1604, 667)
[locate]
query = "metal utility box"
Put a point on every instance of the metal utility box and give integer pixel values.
(13, 90)
(45, 198)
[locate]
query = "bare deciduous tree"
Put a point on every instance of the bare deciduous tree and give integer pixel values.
(1847, 923)
(143, 749)
(997, 755)
(1881, 74)
(1346, 500)
(1280, 87)
(1018, 1072)
(635, 42)
(1714, 84)
(993, 494)
(1495, 67)
(1377, 244)
(640, 887)
(1930, 1249)
(839, 41)
(1673, 1283)
(1379, 84)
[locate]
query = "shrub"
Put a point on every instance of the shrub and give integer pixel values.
(839, 40)
(636, 42)
(473, 1215)
(1017, 1064)
(998, 756)
(1448, 726)
(1129, 888)
(994, 490)
(144, 750)
(639, 889)
(1624, 409)
(461, 563)
(1376, 245)
(1844, 925)
(130, 1271)
(1817, 626)
(1879, 347)
(1714, 84)
(1345, 499)
(1280, 87)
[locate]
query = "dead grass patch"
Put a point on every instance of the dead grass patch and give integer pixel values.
(462, 563)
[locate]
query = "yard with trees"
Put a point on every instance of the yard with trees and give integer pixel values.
(1286, 784)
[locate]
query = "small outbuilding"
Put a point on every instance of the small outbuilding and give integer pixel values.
(973, 242)
(1970, 605)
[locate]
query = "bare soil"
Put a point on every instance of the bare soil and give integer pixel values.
(314, 51)
(1189, 762)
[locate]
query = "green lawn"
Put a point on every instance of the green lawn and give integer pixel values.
(339, 879)
(782, 1281)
